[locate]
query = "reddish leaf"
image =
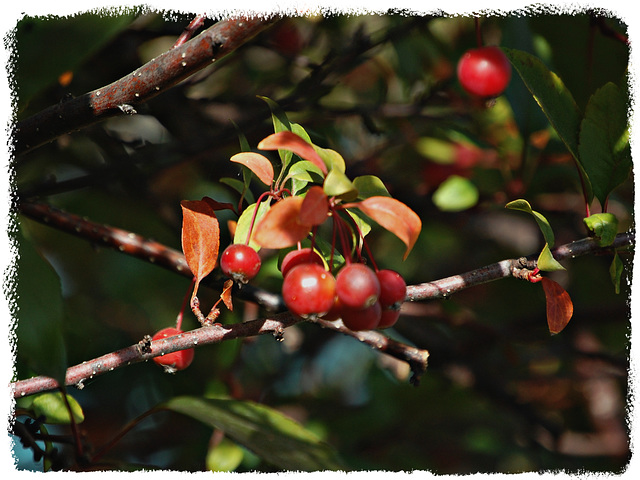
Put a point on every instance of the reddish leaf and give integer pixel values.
(200, 238)
(559, 305)
(393, 215)
(258, 164)
(281, 227)
(287, 140)
(226, 294)
(214, 204)
(315, 207)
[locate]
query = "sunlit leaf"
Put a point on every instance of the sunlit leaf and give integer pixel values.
(248, 219)
(278, 115)
(315, 207)
(225, 456)
(604, 148)
(455, 194)
(393, 215)
(287, 140)
(546, 261)
(604, 226)
(200, 238)
(543, 223)
(559, 305)
(268, 433)
(370, 186)
(337, 184)
(302, 173)
(258, 164)
(53, 407)
(281, 227)
(332, 159)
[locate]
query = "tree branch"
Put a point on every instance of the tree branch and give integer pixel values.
(151, 79)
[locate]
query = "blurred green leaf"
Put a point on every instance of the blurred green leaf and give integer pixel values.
(604, 226)
(615, 271)
(226, 456)
(52, 406)
(455, 194)
(604, 148)
(40, 315)
(268, 433)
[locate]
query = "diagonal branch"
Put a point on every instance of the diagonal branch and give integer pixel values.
(151, 79)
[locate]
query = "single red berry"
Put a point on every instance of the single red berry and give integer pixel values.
(484, 71)
(357, 286)
(388, 317)
(174, 361)
(240, 262)
(309, 290)
(299, 256)
(367, 318)
(393, 288)
(335, 312)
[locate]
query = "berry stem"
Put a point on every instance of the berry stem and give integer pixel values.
(255, 214)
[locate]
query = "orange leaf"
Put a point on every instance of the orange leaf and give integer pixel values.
(559, 305)
(393, 215)
(315, 207)
(226, 294)
(281, 227)
(258, 164)
(287, 140)
(200, 238)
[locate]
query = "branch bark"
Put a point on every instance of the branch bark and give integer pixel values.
(151, 79)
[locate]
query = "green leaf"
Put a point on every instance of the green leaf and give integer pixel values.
(240, 186)
(546, 262)
(543, 223)
(301, 174)
(556, 102)
(604, 148)
(615, 270)
(337, 184)
(370, 186)
(332, 159)
(281, 123)
(274, 437)
(455, 194)
(604, 226)
(40, 313)
(244, 224)
(226, 456)
(53, 407)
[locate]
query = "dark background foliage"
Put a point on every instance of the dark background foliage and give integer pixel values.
(500, 393)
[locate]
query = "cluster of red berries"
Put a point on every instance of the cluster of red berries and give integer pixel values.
(362, 298)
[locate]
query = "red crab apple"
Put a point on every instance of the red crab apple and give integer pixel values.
(357, 286)
(299, 256)
(174, 361)
(240, 262)
(393, 288)
(367, 318)
(484, 71)
(309, 290)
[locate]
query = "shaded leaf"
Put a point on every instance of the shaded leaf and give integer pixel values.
(240, 187)
(543, 223)
(604, 226)
(559, 305)
(615, 271)
(315, 207)
(546, 262)
(455, 194)
(393, 215)
(226, 294)
(556, 102)
(294, 143)
(40, 344)
(278, 115)
(302, 173)
(605, 152)
(274, 437)
(281, 227)
(52, 406)
(200, 238)
(337, 184)
(215, 205)
(258, 164)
